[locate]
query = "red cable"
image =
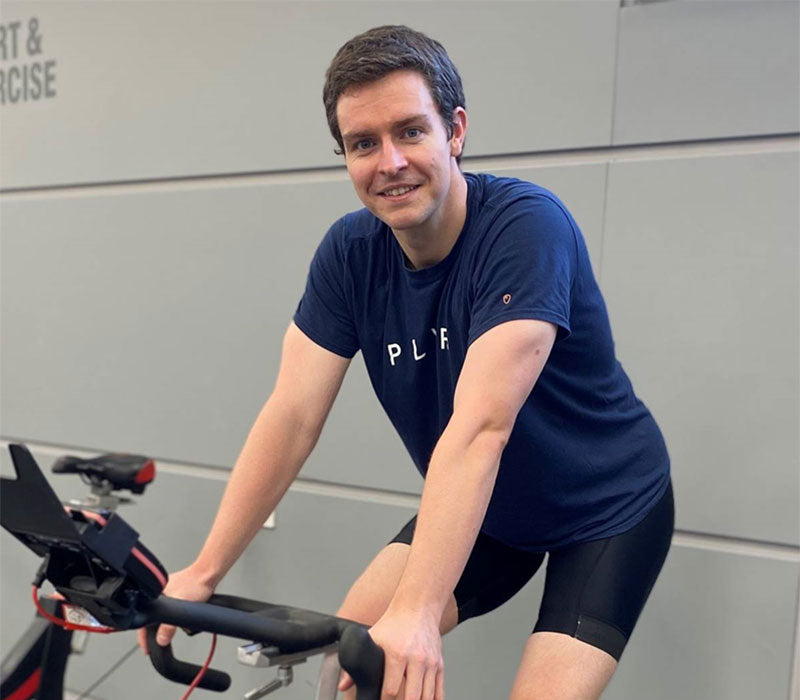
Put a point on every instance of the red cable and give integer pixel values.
(63, 623)
(203, 670)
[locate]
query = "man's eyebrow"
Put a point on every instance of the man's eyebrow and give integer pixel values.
(409, 120)
(419, 118)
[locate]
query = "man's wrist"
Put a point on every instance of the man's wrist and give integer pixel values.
(418, 604)
(206, 573)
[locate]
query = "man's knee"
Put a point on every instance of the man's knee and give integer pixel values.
(559, 667)
(370, 595)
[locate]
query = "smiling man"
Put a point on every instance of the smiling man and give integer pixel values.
(486, 339)
(415, 186)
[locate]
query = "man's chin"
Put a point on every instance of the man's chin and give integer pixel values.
(395, 220)
(400, 224)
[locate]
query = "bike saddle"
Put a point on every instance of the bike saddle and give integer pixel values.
(122, 471)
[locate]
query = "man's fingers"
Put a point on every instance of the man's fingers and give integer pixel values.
(165, 634)
(439, 685)
(429, 684)
(415, 675)
(392, 678)
(141, 635)
(345, 681)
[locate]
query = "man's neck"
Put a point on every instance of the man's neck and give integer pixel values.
(432, 242)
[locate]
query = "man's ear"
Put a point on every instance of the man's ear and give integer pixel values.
(459, 125)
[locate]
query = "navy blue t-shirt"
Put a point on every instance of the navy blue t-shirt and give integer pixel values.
(585, 459)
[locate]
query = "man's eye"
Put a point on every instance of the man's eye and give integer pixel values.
(413, 133)
(362, 145)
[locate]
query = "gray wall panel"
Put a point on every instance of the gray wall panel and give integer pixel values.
(707, 69)
(537, 75)
(700, 274)
(155, 90)
(718, 625)
(581, 188)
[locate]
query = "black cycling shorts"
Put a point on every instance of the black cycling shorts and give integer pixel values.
(593, 591)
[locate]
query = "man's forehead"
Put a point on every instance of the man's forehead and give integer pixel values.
(405, 86)
(397, 97)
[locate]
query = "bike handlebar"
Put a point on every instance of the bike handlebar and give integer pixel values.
(291, 630)
(184, 672)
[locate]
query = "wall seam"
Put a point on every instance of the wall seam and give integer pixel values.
(604, 226)
(794, 679)
(775, 143)
(615, 86)
(610, 160)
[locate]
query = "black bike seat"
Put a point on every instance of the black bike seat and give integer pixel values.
(122, 471)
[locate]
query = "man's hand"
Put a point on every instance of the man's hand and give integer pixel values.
(184, 584)
(412, 646)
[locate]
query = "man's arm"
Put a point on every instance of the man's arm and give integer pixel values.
(499, 372)
(280, 441)
(282, 437)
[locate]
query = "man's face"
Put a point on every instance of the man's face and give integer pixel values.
(397, 151)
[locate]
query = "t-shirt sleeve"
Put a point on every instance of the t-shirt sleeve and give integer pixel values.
(528, 269)
(323, 313)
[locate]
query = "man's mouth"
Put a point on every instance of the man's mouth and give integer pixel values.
(396, 192)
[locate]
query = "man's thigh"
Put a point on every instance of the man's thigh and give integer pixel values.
(370, 595)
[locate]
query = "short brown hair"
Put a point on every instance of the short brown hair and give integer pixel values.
(376, 53)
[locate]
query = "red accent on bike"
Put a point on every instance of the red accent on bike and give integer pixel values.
(63, 623)
(147, 473)
(28, 688)
(152, 567)
(90, 515)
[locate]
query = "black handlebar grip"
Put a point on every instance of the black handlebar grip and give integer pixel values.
(182, 671)
(363, 660)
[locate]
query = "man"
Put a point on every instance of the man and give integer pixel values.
(486, 339)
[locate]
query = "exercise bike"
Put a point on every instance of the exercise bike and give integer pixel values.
(107, 580)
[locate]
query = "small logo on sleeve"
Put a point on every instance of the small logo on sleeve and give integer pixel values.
(506, 298)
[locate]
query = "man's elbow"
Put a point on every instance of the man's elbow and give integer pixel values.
(491, 440)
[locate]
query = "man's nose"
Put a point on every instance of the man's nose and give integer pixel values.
(392, 158)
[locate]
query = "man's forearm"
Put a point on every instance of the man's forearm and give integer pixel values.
(457, 490)
(275, 450)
